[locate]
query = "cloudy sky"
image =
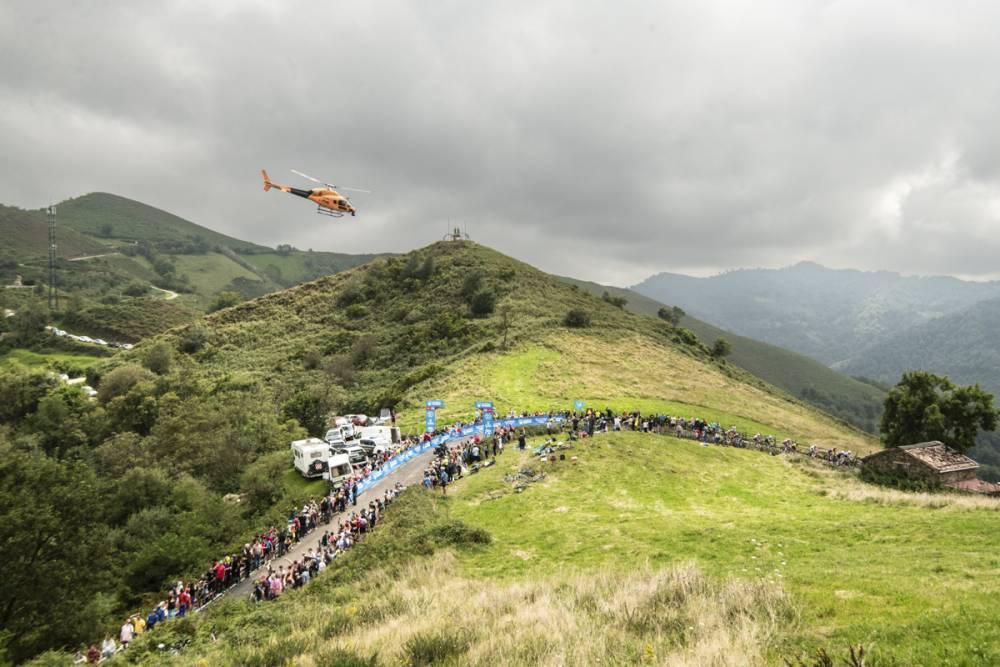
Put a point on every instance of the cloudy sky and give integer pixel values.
(603, 140)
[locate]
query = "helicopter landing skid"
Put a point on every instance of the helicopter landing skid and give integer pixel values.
(325, 211)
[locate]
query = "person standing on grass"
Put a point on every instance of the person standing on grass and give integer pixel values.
(522, 440)
(443, 477)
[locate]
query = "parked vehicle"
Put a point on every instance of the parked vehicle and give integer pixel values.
(334, 437)
(387, 436)
(357, 455)
(371, 446)
(340, 469)
(311, 457)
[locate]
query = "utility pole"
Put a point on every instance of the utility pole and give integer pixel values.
(53, 295)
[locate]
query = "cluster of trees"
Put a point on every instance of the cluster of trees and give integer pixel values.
(104, 501)
(925, 407)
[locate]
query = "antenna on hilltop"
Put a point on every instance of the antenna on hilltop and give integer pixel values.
(53, 295)
(456, 234)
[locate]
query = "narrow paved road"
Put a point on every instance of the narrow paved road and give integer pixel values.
(408, 474)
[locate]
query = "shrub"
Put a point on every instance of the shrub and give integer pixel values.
(433, 649)
(471, 285)
(225, 300)
(135, 288)
(617, 301)
(120, 380)
(483, 302)
(721, 348)
(356, 311)
(194, 339)
(312, 359)
(339, 657)
(577, 318)
(158, 358)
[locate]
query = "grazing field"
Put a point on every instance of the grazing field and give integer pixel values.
(64, 362)
(913, 582)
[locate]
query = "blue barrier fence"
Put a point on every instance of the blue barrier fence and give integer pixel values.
(450, 436)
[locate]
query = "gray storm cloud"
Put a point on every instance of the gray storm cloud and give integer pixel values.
(602, 140)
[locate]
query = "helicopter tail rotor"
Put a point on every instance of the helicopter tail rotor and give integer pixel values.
(267, 181)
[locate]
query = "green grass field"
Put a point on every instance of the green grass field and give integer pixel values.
(56, 361)
(916, 585)
(211, 273)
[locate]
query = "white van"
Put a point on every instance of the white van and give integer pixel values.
(383, 435)
(310, 457)
(340, 469)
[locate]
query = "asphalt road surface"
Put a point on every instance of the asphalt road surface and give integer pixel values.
(408, 474)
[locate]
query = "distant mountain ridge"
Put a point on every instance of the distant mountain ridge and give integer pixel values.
(828, 314)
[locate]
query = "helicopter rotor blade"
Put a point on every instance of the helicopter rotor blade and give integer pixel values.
(344, 187)
(307, 176)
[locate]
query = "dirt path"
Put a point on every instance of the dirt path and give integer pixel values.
(170, 296)
(80, 259)
(410, 473)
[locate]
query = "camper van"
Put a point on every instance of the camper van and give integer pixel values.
(310, 457)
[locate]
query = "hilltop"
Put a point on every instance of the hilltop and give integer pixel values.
(400, 330)
(856, 402)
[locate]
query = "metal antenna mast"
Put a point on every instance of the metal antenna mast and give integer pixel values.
(53, 296)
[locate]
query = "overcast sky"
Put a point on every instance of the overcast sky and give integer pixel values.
(605, 140)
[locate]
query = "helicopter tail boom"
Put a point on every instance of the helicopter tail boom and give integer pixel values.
(267, 181)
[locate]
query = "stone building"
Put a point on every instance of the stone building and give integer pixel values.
(929, 462)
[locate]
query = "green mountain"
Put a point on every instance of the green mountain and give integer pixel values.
(643, 548)
(856, 402)
(827, 314)
(108, 216)
(25, 236)
(113, 249)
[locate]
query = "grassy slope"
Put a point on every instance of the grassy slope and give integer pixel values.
(624, 373)
(648, 550)
(298, 266)
(212, 272)
(790, 371)
(25, 235)
(914, 583)
(134, 220)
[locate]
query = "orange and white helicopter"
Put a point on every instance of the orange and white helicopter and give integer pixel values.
(328, 200)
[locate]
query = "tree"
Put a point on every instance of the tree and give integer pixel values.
(309, 407)
(193, 339)
(225, 300)
(617, 301)
(120, 380)
(106, 230)
(924, 407)
(482, 303)
(50, 527)
(135, 288)
(672, 315)
(577, 319)
(158, 358)
(721, 348)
